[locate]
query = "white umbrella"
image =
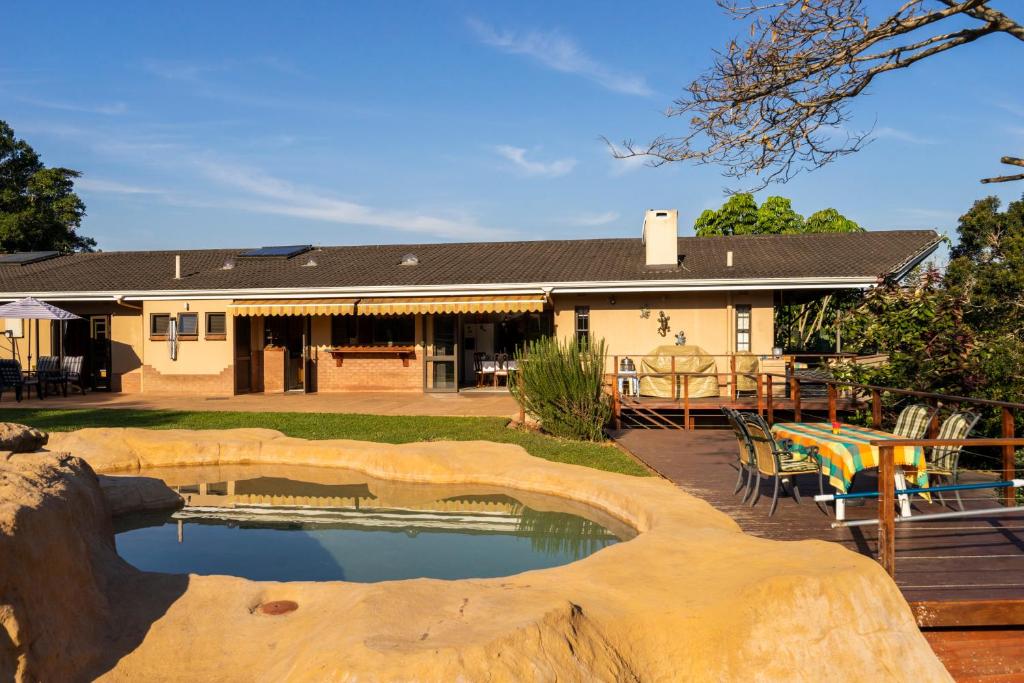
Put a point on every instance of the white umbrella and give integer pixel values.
(34, 309)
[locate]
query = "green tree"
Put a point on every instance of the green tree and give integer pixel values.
(39, 209)
(738, 216)
(777, 217)
(830, 220)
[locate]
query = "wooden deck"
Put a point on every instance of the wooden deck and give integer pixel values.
(937, 563)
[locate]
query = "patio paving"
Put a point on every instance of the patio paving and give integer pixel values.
(469, 404)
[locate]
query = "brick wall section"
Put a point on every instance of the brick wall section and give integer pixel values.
(368, 373)
(273, 369)
(155, 381)
(128, 382)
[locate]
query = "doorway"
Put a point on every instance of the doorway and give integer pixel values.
(89, 338)
(441, 364)
(243, 354)
(292, 333)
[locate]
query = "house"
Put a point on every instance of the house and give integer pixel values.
(411, 317)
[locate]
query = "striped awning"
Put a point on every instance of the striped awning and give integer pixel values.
(293, 307)
(485, 303)
(33, 309)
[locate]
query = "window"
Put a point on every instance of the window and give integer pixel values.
(14, 327)
(743, 327)
(99, 326)
(188, 326)
(158, 324)
(216, 326)
(373, 330)
(582, 325)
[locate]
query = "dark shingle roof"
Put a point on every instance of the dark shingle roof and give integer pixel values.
(852, 255)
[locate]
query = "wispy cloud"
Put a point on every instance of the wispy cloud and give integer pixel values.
(550, 169)
(110, 108)
(559, 53)
(272, 195)
(593, 220)
(902, 136)
(113, 187)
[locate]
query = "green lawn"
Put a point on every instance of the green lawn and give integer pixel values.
(383, 428)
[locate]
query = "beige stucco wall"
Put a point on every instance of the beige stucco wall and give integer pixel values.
(202, 364)
(707, 318)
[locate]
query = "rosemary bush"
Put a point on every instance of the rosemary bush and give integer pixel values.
(561, 384)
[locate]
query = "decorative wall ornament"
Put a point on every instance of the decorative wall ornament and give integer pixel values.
(680, 338)
(663, 327)
(645, 311)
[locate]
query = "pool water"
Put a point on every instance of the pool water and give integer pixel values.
(277, 528)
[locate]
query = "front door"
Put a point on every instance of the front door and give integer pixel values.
(441, 366)
(99, 351)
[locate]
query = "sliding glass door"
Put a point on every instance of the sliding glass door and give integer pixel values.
(441, 366)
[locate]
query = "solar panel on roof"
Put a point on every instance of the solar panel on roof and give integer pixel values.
(22, 258)
(280, 252)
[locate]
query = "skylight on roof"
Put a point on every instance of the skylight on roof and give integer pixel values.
(278, 252)
(23, 258)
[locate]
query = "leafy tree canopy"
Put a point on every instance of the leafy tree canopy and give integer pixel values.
(39, 209)
(741, 215)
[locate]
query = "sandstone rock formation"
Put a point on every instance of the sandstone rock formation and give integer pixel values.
(18, 438)
(690, 598)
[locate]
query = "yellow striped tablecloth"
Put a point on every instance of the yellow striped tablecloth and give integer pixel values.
(845, 454)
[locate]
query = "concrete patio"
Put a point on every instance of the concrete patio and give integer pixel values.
(468, 404)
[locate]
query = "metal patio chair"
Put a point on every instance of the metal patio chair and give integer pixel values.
(777, 463)
(745, 465)
(50, 374)
(944, 461)
(11, 378)
(913, 421)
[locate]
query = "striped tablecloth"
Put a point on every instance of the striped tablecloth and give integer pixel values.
(845, 454)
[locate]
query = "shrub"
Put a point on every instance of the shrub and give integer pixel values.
(561, 384)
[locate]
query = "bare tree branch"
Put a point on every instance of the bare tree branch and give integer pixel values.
(777, 102)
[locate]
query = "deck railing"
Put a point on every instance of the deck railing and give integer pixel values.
(887, 491)
(838, 395)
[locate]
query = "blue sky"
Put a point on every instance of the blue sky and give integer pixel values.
(237, 124)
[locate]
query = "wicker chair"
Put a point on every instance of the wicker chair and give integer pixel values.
(747, 469)
(776, 463)
(913, 421)
(11, 378)
(944, 461)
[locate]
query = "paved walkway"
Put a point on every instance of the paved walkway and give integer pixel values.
(496, 404)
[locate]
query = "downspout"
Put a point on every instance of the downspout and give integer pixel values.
(119, 300)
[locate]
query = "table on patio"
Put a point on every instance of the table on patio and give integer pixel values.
(842, 455)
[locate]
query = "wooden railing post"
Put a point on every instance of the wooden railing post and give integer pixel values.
(876, 409)
(686, 401)
(733, 392)
(675, 381)
(760, 394)
(794, 392)
(887, 509)
(832, 416)
(1009, 461)
(770, 398)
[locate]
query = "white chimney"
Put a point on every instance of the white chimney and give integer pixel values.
(177, 266)
(661, 233)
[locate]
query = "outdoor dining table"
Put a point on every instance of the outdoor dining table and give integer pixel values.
(844, 454)
(490, 367)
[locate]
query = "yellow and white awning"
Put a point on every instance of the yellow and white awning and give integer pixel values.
(485, 303)
(293, 307)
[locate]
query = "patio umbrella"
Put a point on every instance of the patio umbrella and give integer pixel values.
(33, 309)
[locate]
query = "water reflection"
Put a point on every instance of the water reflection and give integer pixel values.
(328, 525)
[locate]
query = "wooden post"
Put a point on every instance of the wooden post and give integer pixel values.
(887, 509)
(876, 409)
(1009, 464)
(616, 399)
(770, 398)
(732, 380)
(832, 416)
(686, 401)
(794, 391)
(675, 380)
(760, 394)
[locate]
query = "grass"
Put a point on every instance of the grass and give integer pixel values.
(381, 428)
